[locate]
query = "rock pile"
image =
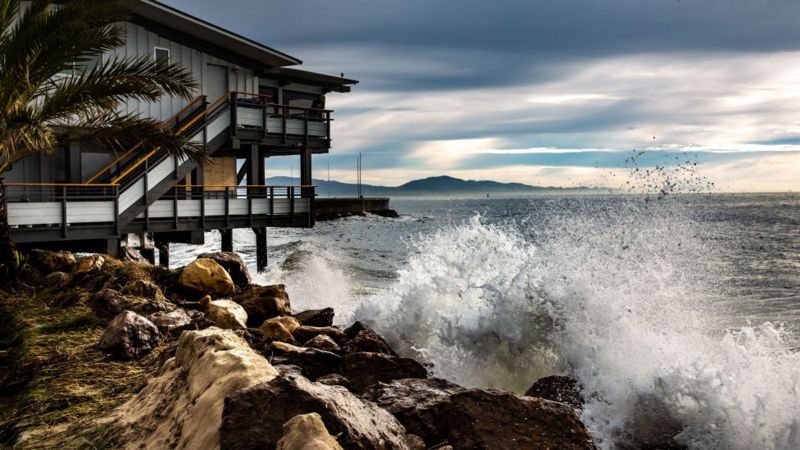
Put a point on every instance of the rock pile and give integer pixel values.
(243, 371)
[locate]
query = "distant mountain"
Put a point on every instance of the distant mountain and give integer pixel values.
(434, 186)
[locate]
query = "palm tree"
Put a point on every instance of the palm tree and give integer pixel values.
(53, 90)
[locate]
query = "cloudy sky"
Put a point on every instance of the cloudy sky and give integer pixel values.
(547, 92)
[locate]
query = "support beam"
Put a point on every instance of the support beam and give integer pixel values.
(305, 172)
(227, 240)
(261, 249)
(163, 253)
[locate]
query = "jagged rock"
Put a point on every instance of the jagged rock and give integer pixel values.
(323, 342)
(57, 279)
(172, 323)
(415, 442)
(145, 289)
(224, 313)
(334, 379)
(363, 339)
(314, 362)
(358, 424)
(304, 333)
(129, 336)
(234, 265)
(109, 303)
(47, 261)
(199, 320)
(132, 255)
(285, 369)
(479, 418)
(417, 403)
(307, 432)
(91, 263)
(205, 276)
(363, 369)
(264, 302)
(182, 407)
(279, 328)
(558, 389)
(316, 317)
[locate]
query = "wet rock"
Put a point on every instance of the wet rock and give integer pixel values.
(47, 261)
(225, 314)
(234, 265)
(91, 263)
(304, 333)
(279, 328)
(417, 403)
(364, 369)
(323, 342)
(129, 336)
(316, 317)
(172, 323)
(264, 302)
(57, 279)
(109, 303)
(182, 407)
(205, 276)
(314, 362)
(479, 418)
(363, 339)
(558, 389)
(358, 424)
(145, 289)
(307, 432)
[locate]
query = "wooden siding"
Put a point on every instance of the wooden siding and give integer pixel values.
(141, 41)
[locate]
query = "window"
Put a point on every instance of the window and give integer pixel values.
(84, 65)
(161, 56)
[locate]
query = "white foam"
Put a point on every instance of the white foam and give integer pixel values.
(611, 295)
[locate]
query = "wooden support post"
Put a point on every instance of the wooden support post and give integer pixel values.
(227, 240)
(261, 249)
(149, 253)
(163, 253)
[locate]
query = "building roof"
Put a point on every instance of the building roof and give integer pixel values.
(330, 82)
(170, 19)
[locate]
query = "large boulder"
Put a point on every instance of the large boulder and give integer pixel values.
(316, 317)
(129, 336)
(364, 369)
(307, 432)
(305, 332)
(108, 303)
(359, 425)
(440, 411)
(480, 418)
(279, 328)
(313, 362)
(558, 389)
(264, 302)
(417, 403)
(182, 407)
(323, 342)
(47, 261)
(205, 276)
(363, 339)
(234, 265)
(173, 322)
(145, 289)
(224, 313)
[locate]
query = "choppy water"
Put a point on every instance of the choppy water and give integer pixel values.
(679, 314)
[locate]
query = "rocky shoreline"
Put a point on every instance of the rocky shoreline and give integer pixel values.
(218, 362)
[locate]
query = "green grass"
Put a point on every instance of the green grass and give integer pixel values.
(58, 386)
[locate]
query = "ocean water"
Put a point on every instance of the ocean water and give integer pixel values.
(679, 315)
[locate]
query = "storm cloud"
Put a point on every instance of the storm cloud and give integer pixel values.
(594, 78)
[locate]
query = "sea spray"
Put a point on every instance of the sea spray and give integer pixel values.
(314, 277)
(611, 292)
